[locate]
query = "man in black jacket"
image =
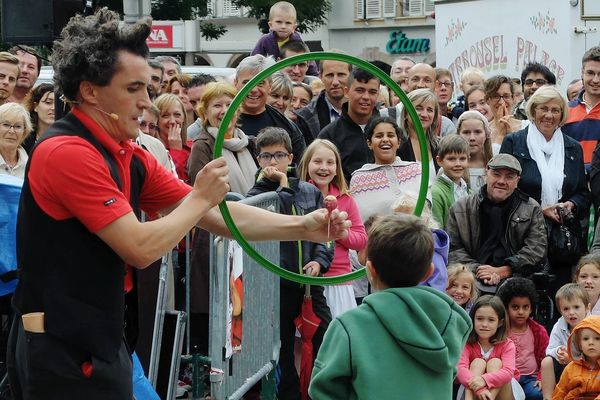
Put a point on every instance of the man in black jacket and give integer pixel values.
(256, 113)
(347, 132)
(327, 106)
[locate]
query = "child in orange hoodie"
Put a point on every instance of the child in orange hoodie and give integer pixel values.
(581, 378)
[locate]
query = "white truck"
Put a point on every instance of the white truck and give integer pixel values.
(502, 36)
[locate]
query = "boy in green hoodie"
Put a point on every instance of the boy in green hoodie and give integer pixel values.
(404, 341)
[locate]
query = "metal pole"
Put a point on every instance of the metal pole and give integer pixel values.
(133, 10)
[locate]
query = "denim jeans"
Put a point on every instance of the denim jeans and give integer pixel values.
(532, 392)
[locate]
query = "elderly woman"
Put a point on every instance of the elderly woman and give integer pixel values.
(15, 125)
(40, 104)
(172, 131)
(428, 110)
(499, 95)
(214, 103)
(552, 163)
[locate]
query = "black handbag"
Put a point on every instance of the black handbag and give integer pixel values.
(565, 242)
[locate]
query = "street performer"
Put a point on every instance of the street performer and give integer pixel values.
(77, 226)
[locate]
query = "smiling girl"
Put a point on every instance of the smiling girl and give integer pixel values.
(321, 165)
(486, 369)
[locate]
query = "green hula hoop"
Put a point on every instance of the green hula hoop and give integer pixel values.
(236, 103)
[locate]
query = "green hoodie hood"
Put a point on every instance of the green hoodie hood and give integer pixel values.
(433, 332)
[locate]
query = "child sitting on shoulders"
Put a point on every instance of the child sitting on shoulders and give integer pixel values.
(581, 378)
(572, 303)
(530, 338)
(282, 29)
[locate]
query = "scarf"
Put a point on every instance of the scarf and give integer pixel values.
(242, 167)
(550, 159)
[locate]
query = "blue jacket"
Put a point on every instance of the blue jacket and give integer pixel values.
(575, 186)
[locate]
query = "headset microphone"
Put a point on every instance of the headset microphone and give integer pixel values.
(112, 115)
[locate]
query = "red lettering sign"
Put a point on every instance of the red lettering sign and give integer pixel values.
(161, 36)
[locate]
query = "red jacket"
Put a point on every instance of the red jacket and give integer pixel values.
(540, 343)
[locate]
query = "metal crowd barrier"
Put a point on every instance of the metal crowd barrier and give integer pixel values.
(232, 377)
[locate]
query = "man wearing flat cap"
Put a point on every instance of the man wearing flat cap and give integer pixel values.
(499, 231)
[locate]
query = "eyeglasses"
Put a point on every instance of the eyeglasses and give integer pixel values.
(278, 155)
(545, 110)
(7, 127)
(539, 82)
(505, 97)
(150, 125)
(448, 84)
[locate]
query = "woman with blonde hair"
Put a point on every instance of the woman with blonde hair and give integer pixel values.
(237, 150)
(475, 129)
(428, 110)
(178, 85)
(15, 125)
(172, 131)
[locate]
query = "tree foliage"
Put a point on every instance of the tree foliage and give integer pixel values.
(310, 13)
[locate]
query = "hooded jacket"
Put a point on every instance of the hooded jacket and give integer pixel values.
(399, 343)
(439, 277)
(579, 377)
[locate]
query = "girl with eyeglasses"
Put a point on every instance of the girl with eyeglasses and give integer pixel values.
(499, 95)
(14, 127)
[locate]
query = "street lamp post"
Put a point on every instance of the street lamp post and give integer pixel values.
(133, 10)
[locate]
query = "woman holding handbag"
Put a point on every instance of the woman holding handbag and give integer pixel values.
(554, 175)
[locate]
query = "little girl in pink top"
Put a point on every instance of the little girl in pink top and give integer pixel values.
(321, 165)
(486, 369)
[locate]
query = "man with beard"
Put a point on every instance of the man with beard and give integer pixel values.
(30, 65)
(9, 72)
(156, 74)
(327, 106)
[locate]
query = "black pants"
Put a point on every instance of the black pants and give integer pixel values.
(41, 366)
(291, 302)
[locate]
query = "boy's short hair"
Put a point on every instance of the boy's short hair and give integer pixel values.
(593, 54)
(517, 287)
(570, 292)
(272, 135)
(297, 46)
(361, 75)
(282, 6)
(400, 249)
(452, 144)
